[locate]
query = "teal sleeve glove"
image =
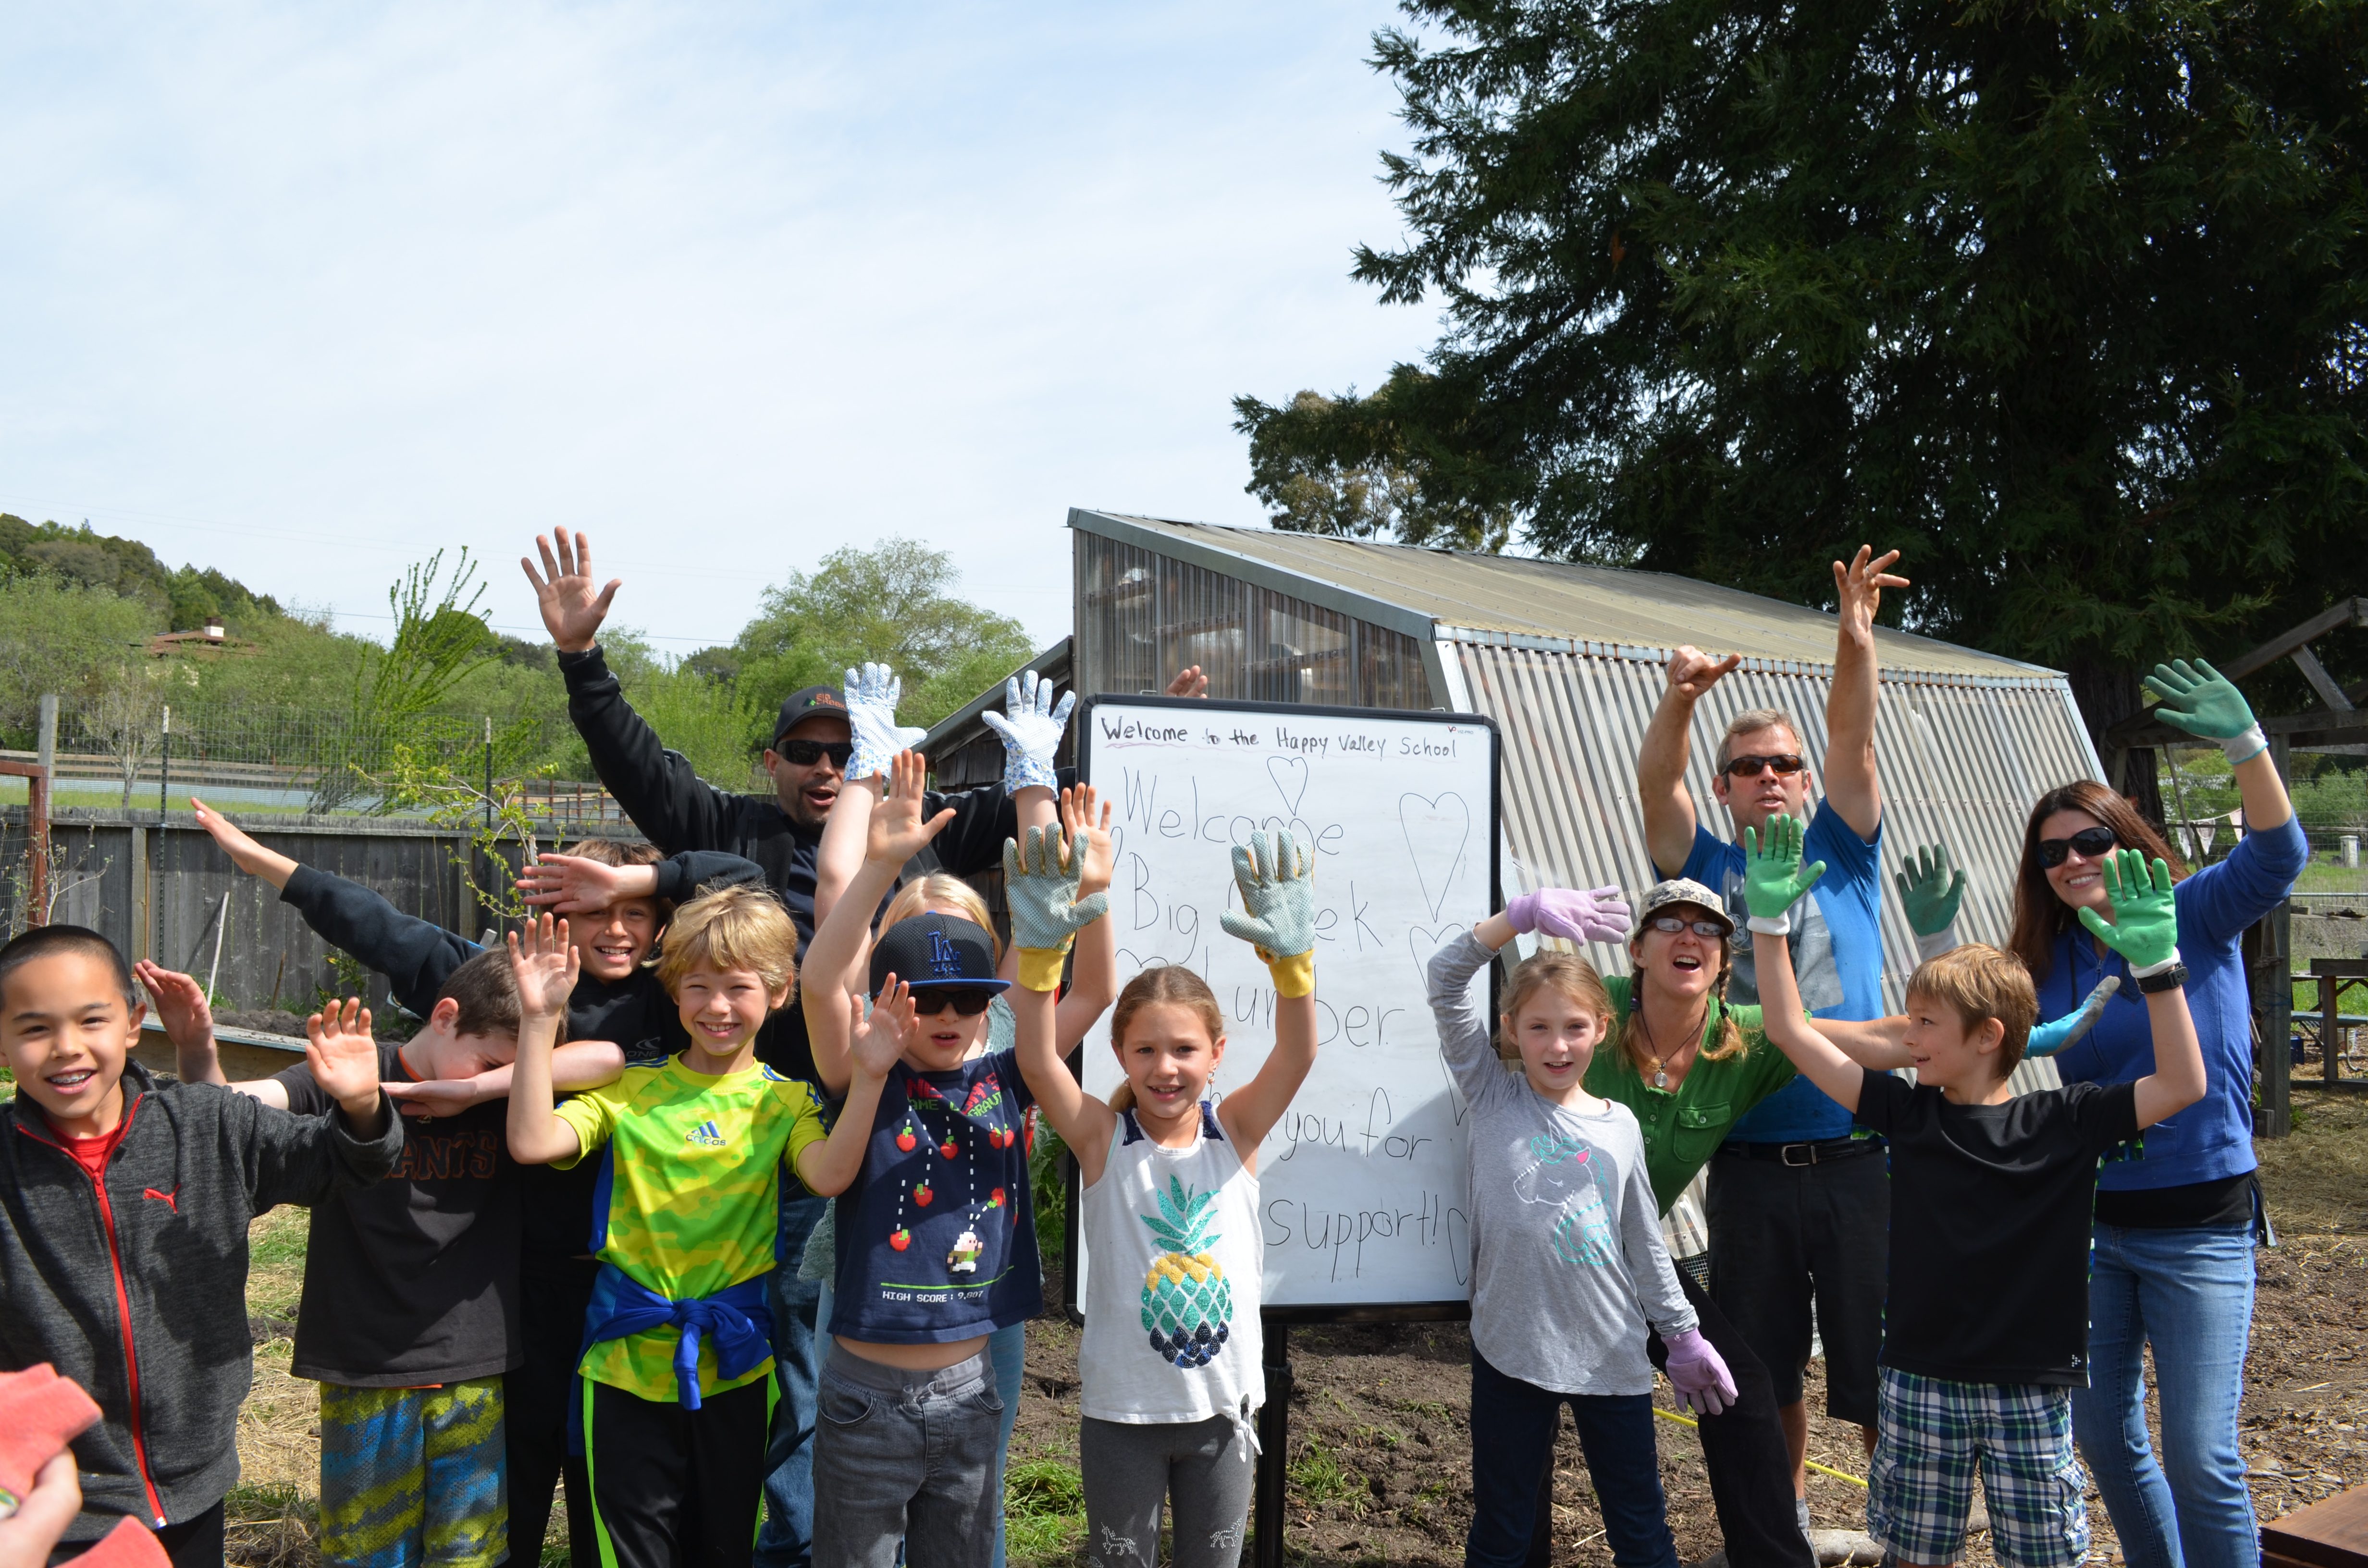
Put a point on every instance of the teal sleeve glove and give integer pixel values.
(2199, 699)
(1930, 889)
(1041, 890)
(1276, 875)
(1773, 877)
(2049, 1038)
(2144, 928)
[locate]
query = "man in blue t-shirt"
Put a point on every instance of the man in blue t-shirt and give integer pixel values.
(1799, 1207)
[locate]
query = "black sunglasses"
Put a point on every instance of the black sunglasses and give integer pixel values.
(805, 754)
(1785, 762)
(2092, 842)
(968, 1003)
(1672, 924)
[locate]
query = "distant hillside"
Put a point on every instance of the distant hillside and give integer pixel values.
(186, 597)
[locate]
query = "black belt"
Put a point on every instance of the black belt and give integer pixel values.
(1800, 1155)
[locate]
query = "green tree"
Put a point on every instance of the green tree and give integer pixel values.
(2061, 297)
(441, 639)
(57, 635)
(892, 604)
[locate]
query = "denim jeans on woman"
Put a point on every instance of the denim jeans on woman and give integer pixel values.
(2188, 1292)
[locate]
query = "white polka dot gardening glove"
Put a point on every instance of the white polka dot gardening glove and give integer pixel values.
(1030, 725)
(872, 696)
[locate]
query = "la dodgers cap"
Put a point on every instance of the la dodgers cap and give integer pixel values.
(936, 951)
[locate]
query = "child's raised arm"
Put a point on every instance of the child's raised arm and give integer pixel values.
(1276, 881)
(546, 966)
(831, 971)
(1041, 884)
(2145, 931)
(829, 1167)
(1093, 977)
(1773, 880)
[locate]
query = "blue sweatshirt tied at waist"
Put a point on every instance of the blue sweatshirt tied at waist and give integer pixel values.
(740, 1319)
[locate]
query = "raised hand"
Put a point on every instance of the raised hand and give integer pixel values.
(896, 832)
(1077, 803)
(181, 1005)
(546, 966)
(2144, 928)
(437, 1097)
(2049, 1038)
(1276, 876)
(1692, 672)
(344, 1058)
(1040, 883)
(1859, 589)
(877, 1040)
(244, 852)
(1189, 682)
(872, 693)
(1931, 889)
(2199, 699)
(570, 884)
(1598, 914)
(1773, 877)
(572, 610)
(1030, 725)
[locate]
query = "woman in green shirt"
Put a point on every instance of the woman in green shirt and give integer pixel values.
(1689, 1066)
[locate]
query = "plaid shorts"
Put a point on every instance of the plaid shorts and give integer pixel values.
(414, 1478)
(1931, 1433)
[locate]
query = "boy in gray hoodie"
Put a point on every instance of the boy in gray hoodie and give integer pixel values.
(124, 1206)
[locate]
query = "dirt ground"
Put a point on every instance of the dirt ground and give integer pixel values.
(1380, 1458)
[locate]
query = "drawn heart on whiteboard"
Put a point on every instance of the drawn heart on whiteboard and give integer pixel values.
(1424, 942)
(1437, 827)
(1289, 776)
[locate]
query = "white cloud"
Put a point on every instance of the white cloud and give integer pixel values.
(305, 294)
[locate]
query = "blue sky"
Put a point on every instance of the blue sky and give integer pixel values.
(306, 292)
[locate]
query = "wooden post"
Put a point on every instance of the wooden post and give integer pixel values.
(36, 776)
(2275, 979)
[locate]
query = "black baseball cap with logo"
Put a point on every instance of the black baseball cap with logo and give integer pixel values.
(936, 952)
(804, 704)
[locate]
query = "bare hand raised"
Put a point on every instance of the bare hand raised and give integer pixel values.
(897, 832)
(1857, 588)
(244, 852)
(1693, 672)
(180, 1005)
(1189, 682)
(344, 1058)
(572, 611)
(877, 1040)
(546, 966)
(1077, 815)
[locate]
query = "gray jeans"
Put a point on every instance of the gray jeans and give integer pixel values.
(905, 1456)
(1204, 1468)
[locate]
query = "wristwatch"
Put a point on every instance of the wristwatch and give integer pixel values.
(2164, 979)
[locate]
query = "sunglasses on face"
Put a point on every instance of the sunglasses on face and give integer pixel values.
(1673, 925)
(968, 1003)
(2092, 842)
(805, 754)
(1784, 763)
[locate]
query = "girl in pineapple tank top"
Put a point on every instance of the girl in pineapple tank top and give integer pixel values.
(1167, 1187)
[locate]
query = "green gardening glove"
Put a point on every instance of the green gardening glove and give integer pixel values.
(2199, 699)
(1773, 877)
(1931, 889)
(2144, 928)
(1276, 879)
(1046, 913)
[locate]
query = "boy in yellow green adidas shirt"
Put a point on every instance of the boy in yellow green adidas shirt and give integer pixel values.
(676, 1391)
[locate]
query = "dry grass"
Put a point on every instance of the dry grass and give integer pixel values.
(2315, 1182)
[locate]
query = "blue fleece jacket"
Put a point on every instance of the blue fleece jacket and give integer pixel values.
(2213, 1138)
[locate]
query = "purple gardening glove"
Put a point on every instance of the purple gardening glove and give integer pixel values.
(1600, 916)
(1699, 1373)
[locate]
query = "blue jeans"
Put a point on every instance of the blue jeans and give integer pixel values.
(786, 1539)
(1513, 1426)
(2189, 1293)
(1006, 1351)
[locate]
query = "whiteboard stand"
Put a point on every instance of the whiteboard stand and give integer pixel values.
(1404, 813)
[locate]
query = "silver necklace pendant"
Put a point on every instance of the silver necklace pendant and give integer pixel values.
(1660, 1080)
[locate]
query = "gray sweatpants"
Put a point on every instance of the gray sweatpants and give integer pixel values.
(1204, 1468)
(905, 1456)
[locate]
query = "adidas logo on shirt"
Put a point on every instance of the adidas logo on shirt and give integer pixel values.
(705, 1136)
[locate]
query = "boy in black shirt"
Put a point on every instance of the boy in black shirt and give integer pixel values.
(1987, 1325)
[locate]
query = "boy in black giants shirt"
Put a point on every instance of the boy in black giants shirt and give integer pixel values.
(1987, 1325)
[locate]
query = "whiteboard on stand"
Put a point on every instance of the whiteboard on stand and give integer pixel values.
(1362, 1184)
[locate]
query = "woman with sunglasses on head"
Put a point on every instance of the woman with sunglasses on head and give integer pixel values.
(2176, 1223)
(1688, 1065)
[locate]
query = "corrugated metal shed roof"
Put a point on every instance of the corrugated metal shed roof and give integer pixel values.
(1549, 603)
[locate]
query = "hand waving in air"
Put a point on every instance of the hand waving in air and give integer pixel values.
(546, 966)
(1692, 672)
(1031, 724)
(872, 693)
(572, 610)
(1598, 914)
(1931, 889)
(2144, 928)
(897, 833)
(344, 1059)
(1276, 876)
(1859, 589)
(1077, 817)
(181, 1005)
(1189, 682)
(1773, 877)
(1041, 884)
(2201, 700)
(878, 1040)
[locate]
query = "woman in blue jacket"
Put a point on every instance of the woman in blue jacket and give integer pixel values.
(2177, 1221)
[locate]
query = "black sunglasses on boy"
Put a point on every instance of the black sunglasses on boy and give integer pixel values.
(966, 1001)
(2092, 842)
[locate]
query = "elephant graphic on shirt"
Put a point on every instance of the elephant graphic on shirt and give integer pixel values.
(1564, 1174)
